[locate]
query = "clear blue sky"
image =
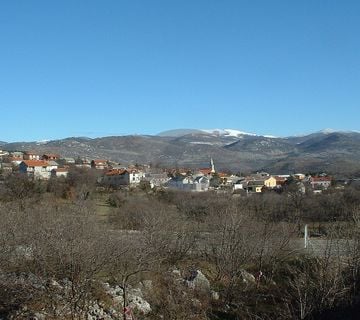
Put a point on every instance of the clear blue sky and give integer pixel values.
(114, 67)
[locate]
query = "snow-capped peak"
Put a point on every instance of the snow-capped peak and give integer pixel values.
(228, 132)
(328, 131)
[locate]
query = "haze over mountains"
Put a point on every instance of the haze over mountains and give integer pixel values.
(326, 150)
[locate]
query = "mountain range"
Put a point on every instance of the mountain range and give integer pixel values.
(326, 151)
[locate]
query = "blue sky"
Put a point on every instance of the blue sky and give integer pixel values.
(114, 67)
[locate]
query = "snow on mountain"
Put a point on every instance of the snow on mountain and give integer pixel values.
(228, 132)
(328, 131)
(45, 141)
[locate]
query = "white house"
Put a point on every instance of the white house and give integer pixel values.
(3, 153)
(239, 184)
(53, 165)
(190, 183)
(60, 172)
(156, 179)
(201, 184)
(122, 177)
(38, 169)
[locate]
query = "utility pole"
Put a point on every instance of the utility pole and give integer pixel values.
(306, 236)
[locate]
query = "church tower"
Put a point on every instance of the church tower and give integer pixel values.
(212, 165)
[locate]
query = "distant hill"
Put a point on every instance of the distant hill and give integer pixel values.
(337, 152)
(178, 132)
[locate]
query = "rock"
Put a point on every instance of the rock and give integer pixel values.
(214, 295)
(197, 280)
(134, 297)
(247, 277)
(176, 272)
(39, 316)
(137, 302)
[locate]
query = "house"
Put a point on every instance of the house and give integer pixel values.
(262, 174)
(233, 179)
(281, 180)
(83, 163)
(60, 172)
(31, 155)
(180, 183)
(320, 183)
(239, 184)
(255, 186)
(99, 164)
(274, 182)
(156, 179)
(299, 176)
(201, 184)
(16, 157)
(270, 182)
(69, 160)
(179, 172)
(122, 177)
(3, 154)
(189, 183)
(115, 178)
(50, 156)
(38, 169)
(53, 165)
(135, 176)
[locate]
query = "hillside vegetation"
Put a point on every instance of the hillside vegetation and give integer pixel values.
(337, 152)
(174, 255)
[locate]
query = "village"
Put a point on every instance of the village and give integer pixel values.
(116, 176)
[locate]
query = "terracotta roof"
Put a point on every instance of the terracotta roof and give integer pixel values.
(205, 170)
(223, 174)
(36, 163)
(115, 172)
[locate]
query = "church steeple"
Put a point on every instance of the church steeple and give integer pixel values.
(212, 165)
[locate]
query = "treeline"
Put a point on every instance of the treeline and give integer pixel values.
(57, 252)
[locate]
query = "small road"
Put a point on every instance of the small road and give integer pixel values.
(325, 247)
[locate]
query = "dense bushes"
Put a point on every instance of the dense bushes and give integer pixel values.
(54, 246)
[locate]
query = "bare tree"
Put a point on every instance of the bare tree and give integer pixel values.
(62, 250)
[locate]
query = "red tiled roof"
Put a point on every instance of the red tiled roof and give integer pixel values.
(115, 172)
(223, 174)
(36, 163)
(205, 170)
